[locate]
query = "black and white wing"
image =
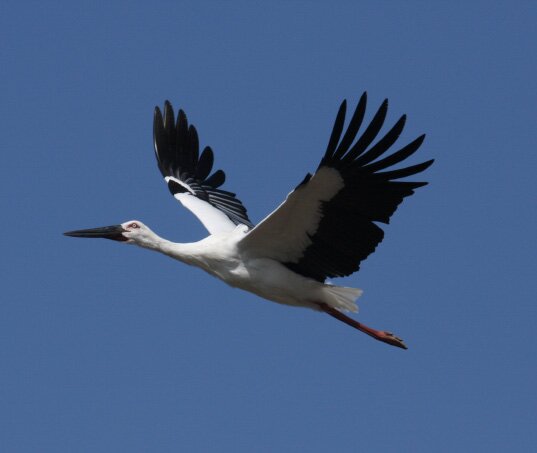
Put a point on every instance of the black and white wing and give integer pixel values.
(326, 226)
(187, 173)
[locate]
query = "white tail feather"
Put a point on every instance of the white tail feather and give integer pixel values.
(342, 297)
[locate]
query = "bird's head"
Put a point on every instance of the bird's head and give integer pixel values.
(131, 232)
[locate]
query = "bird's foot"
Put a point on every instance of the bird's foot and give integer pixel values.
(390, 338)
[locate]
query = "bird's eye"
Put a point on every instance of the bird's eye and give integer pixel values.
(134, 225)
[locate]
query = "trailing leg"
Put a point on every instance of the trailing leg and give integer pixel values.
(381, 335)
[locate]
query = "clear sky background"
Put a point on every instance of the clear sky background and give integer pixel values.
(108, 348)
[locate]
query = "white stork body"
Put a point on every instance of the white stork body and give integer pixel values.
(324, 228)
(222, 256)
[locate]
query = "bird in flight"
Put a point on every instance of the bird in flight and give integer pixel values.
(324, 228)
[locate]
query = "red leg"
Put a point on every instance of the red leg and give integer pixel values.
(381, 335)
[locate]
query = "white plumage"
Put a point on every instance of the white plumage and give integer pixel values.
(285, 233)
(324, 228)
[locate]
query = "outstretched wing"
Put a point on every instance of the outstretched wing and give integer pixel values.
(326, 226)
(187, 173)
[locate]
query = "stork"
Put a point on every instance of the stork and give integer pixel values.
(324, 229)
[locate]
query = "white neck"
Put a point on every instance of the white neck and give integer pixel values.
(187, 253)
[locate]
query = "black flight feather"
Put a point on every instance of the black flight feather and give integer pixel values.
(347, 233)
(177, 152)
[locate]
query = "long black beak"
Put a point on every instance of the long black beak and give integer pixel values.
(113, 232)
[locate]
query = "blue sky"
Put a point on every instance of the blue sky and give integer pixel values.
(105, 347)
